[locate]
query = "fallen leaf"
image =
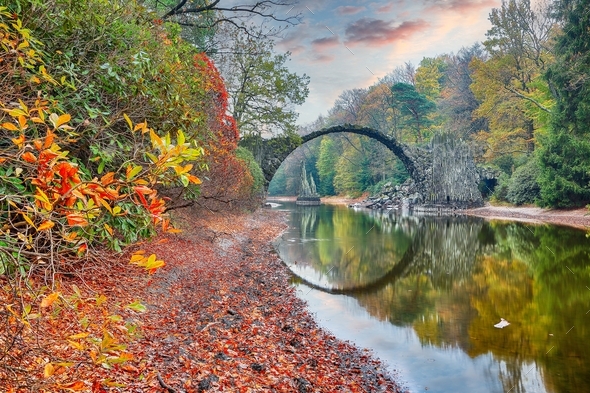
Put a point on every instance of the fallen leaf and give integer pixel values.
(49, 299)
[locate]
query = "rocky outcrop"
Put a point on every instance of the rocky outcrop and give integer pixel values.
(445, 180)
(308, 194)
(404, 196)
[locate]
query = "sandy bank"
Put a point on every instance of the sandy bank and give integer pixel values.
(578, 218)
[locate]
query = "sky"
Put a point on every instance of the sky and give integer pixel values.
(343, 45)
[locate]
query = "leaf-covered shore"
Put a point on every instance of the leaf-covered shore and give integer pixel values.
(220, 316)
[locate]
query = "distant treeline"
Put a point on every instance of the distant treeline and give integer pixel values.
(521, 98)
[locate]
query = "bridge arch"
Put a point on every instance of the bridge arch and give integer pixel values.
(444, 173)
(272, 152)
(399, 149)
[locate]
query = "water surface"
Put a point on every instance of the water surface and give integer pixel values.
(425, 292)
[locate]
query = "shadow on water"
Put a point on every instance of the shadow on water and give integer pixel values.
(441, 283)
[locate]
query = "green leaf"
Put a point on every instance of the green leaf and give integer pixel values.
(100, 167)
(132, 173)
(137, 306)
(184, 180)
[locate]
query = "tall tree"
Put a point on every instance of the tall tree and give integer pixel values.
(405, 73)
(565, 168)
(458, 103)
(430, 76)
(263, 92)
(326, 165)
(348, 106)
(414, 107)
(510, 86)
(378, 112)
(352, 168)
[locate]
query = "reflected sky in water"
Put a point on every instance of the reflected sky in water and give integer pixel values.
(425, 292)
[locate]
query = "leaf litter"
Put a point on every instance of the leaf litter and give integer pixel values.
(220, 316)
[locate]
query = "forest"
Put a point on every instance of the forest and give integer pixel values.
(115, 114)
(520, 98)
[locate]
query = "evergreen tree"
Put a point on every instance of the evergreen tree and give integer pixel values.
(326, 166)
(565, 152)
(414, 107)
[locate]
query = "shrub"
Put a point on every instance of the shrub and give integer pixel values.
(501, 189)
(523, 186)
(255, 171)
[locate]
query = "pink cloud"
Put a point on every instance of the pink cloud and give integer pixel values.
(296, 50)
(349, 10)
(377, 32)
(384, 8)
(462, 6)
(322, 58)
(325, 42)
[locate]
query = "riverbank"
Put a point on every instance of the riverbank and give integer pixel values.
(578, 218)
(222, 316)
(331, 200)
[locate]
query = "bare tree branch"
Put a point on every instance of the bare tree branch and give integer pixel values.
(264, 8)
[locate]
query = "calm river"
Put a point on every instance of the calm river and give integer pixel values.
(424, 293)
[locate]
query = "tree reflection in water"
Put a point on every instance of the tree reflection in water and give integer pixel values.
(450, 279)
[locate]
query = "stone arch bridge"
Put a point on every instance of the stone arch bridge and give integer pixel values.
(444, 172)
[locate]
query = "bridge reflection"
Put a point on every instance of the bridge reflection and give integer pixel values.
(448, 280)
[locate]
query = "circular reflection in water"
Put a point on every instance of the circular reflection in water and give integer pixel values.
(425, 292)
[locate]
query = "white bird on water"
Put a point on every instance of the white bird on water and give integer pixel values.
(503, 323)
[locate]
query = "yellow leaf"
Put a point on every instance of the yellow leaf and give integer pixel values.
(15, 112)
(179, 169)
(105, 204)
(9, 126)
(48, 370)
(42, 196)
(70, 237)
(141, 126)
(180, 137)
(109, 229)
(46, 225)
(62, 120)
(28, 220)
(156, 140)
(133, 171)
(49, 299)
(152, 264)
(174, 230)
(78, 345)
(151, 259)
(128, 120)
(19, 141)
(79, 336)
(136, 258)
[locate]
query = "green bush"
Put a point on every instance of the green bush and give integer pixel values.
(501, 189)
(523, 186)
(246, 155)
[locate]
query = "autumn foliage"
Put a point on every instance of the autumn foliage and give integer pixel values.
(89, 154)
(231, 182)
